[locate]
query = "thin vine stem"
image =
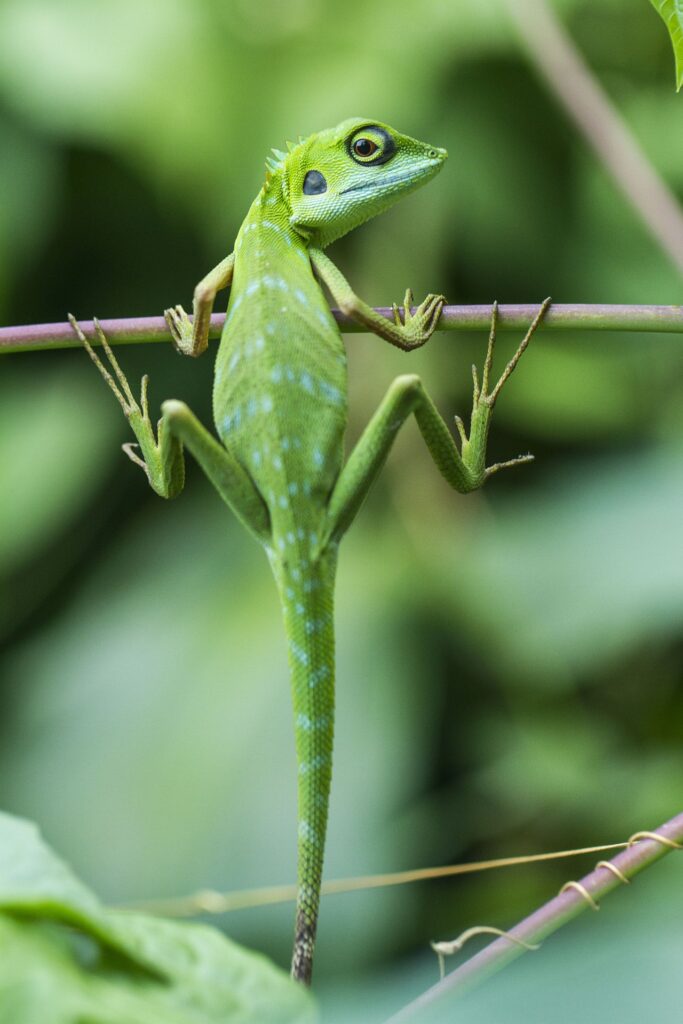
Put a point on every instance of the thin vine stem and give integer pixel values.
(208, 901)
(580, 317)
(596, 117)
(543, 922)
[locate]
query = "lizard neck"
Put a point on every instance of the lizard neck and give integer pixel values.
(269, 206)
(267, 241)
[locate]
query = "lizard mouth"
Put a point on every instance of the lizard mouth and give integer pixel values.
(392, 179)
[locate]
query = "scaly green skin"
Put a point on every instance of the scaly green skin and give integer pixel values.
(280, 407)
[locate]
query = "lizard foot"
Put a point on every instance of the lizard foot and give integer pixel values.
(137, 413)
(180, 326)
(418, 327)
(485, 397)
(483, 400)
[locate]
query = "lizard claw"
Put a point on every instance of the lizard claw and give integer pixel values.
(418, 326)
(490, 396)
(180, 326)
(484, 398)
(118, 382)
(136, 412)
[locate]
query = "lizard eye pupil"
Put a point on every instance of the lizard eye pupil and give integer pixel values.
(365, 147)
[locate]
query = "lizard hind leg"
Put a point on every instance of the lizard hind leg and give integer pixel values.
(464, 469)
(161, 457)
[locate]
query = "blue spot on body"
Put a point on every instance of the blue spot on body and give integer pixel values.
(234, 306)
(318, 676)
(319, 761)
(307, 833)
(299, 653)
(232, 420)
(275, 227)
(330, 392)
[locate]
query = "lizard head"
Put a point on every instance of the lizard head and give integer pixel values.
(337, 179)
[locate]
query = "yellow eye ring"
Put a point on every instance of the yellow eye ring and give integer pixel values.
(371, 145)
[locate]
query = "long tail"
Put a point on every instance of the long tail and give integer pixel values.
(307, 593)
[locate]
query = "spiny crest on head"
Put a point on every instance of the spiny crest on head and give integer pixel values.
(273, 165)
(276, 162)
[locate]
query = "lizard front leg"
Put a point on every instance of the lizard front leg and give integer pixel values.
(464, 469)
(416, 329)
(191, 337)
(161, 456)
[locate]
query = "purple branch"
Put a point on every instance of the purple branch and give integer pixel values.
(136, 330)
(543, 922)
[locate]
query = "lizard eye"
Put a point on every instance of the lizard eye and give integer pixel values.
(371, 145)
(364, 147)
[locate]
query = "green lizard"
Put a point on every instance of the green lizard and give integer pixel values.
(280, 407)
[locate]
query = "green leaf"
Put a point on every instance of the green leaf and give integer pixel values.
(671, 12)
(66, 958)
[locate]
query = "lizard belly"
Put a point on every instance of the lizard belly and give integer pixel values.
(280, 398)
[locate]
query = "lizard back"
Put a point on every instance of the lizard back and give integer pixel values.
(280, 384)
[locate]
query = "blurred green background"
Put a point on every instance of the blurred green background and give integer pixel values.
(509, 663)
